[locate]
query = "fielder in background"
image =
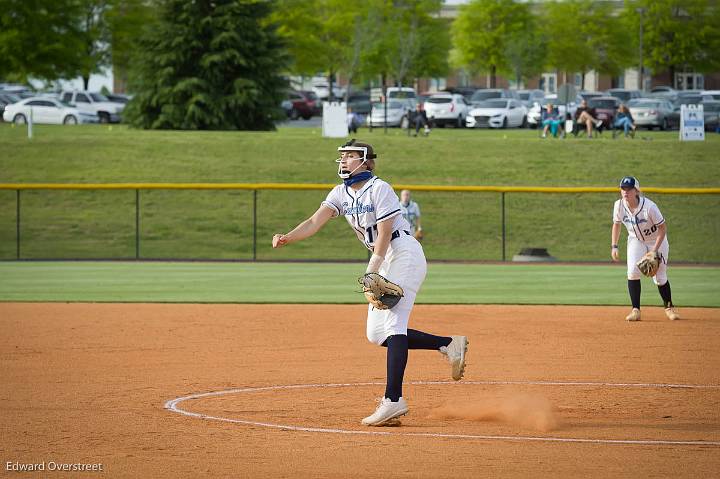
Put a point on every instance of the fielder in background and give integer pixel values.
(647, 232)
(372, 209)
(410, 210)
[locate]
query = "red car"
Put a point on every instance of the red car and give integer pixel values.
(605, 109)
(299, 104)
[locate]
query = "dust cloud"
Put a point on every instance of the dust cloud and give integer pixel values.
(525, 410)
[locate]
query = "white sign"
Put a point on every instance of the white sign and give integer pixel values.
(692, 123)
(334, 120)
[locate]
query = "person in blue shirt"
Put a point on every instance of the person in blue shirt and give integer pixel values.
(550, 120)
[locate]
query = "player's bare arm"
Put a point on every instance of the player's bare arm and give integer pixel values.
(662, 231)
(381, 246)
(305, 229)
(615, 237)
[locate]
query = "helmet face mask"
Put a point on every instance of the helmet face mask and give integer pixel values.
(365, 154)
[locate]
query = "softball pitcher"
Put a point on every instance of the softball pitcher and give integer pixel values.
(647, 231)
(372, 209)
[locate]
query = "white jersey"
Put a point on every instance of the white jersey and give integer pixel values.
(374, 203)
(411, 213)
(642, 223)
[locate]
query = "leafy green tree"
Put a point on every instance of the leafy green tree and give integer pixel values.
(677, 33)
(481, 34)
(584, 35)
(525, 52)
(40, 39)
(209, 64)
(126, 20)
(95, 37)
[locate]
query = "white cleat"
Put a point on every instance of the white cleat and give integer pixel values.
(672, 314)
(387, 413)
(634, 315)
(455, 352)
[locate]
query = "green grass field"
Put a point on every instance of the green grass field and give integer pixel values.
(335, 283)
(218, 224)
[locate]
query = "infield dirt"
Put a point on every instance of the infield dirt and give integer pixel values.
(87, 383)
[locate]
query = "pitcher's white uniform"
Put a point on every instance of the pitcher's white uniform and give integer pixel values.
(404, 262)
(642, 226)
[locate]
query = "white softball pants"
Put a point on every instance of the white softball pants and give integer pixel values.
(404, 265)
(636, 249)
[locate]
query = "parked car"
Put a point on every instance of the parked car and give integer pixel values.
(314, 101)
(322, 90)
(710, 95)
(663, 91)
(397, 113)
(23, 91)
(711, 111)
(297, 105)
(465, 91)
(447, 109)
(7, 99)
(360, 103)
(586, 95)
(94, 104)
(118, 98)
(530, 97)
(708, 108)
(400, 93)
(489, 93)
(45, 111)
(497, 113)
(651, 112)
(535, 112)
(605, 109)
(623, 94)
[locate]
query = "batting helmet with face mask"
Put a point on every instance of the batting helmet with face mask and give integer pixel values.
(367, 156)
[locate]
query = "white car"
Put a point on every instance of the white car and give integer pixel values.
(96, 104)
(710, 95)
(446, 109)
(322, 90)
(497, 113)
(535, 112)
(46, 111)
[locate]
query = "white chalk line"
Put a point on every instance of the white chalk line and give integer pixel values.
(172, 405)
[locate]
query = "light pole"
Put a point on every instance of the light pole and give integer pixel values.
(641, 83)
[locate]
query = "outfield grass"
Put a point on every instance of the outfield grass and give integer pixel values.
(335, 283)
(218, 224)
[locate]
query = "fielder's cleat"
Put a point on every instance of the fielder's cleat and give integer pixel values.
(455, 352)
(672, 314)
(387, 413)
(634, 315)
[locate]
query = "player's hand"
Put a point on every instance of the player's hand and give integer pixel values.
(279, 240)
(615, 254)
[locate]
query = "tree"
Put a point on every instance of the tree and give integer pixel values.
(126, 20)
(678, 33)
(40, 39)
(584, 35)
(526, 52)
(209, 64)
(481, 33)
(95, 37)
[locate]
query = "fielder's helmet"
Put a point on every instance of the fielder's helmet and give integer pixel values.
(629, 182)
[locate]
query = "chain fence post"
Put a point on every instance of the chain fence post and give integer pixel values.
(502, 208)
(17, 223)
(137, 223)
(254, 256)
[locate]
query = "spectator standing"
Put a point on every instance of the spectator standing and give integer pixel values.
(411, 212)
(550, 120)
(585, 116)
(623, 119)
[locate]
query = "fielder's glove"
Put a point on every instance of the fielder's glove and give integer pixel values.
(379, 291)
(649, 263)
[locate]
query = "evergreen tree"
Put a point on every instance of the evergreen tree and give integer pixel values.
(209, 65)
